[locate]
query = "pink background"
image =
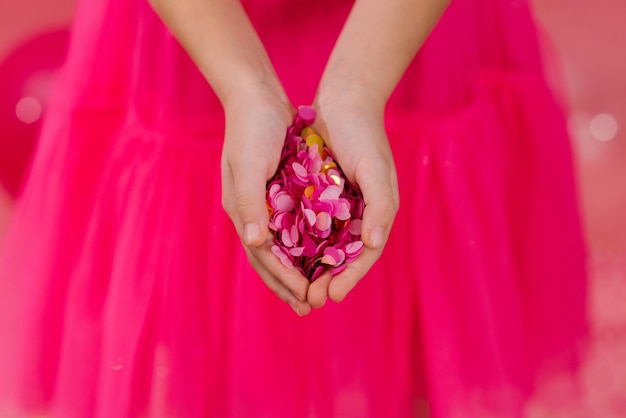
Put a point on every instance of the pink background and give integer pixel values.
(587, 40)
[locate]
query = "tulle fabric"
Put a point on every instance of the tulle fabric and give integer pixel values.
(128, 293)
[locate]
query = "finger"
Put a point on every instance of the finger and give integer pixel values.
(247, 179)
(300, 307)
(318, 290)
(380, 193)
(342, 284)
(290, 278)
(379, 187)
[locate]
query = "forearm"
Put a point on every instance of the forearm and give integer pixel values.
(222, 42)
(378, 42)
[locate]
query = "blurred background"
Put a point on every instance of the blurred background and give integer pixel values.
(586, 43)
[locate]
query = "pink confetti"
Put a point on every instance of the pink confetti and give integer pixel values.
(284, 202)
(278, 252)
(354, 247)
(355, 227)
(331, 193)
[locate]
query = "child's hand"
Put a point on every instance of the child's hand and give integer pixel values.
(256, 124)
(353, 127)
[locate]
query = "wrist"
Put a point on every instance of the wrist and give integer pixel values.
(352, 90)
(350, 94)
(251, 93)
(250, 85)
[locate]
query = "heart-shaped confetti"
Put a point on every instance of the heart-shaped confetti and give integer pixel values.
(315, 212)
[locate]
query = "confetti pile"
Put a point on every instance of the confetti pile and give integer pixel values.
(315, 212)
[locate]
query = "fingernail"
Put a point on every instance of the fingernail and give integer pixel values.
(377, 237)
(295, 309)
(324, 303)
(251, 232)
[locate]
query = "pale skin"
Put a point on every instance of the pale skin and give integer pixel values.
(376, 44)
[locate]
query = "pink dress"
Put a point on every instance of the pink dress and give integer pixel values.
(132, 297)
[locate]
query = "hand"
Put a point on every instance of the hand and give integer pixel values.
(352, 125)
(256, 124)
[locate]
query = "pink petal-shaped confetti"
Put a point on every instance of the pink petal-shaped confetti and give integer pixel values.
(306, 202)
(329, 260)
(300, 222)
(274, 188)
(355, 226)
(333, 256)
(354, 248)
(331, 193)
(300, 171)
(283, 220)
(343, 213)
(282, 256)
(323, 221)
(286, 238)
(295, 236)
(306, 114)
(323, 233)
(310, 216)
(284, 202)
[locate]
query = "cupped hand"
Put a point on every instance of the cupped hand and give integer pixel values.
(256, 124)
(352, 124)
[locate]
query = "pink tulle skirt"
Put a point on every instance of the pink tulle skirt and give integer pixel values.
(128, 293)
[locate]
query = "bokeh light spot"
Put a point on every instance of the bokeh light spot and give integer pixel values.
(28, 110)
(603, 127)
(117, 364)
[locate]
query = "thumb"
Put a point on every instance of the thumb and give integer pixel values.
(250, 207)
(381, 206)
